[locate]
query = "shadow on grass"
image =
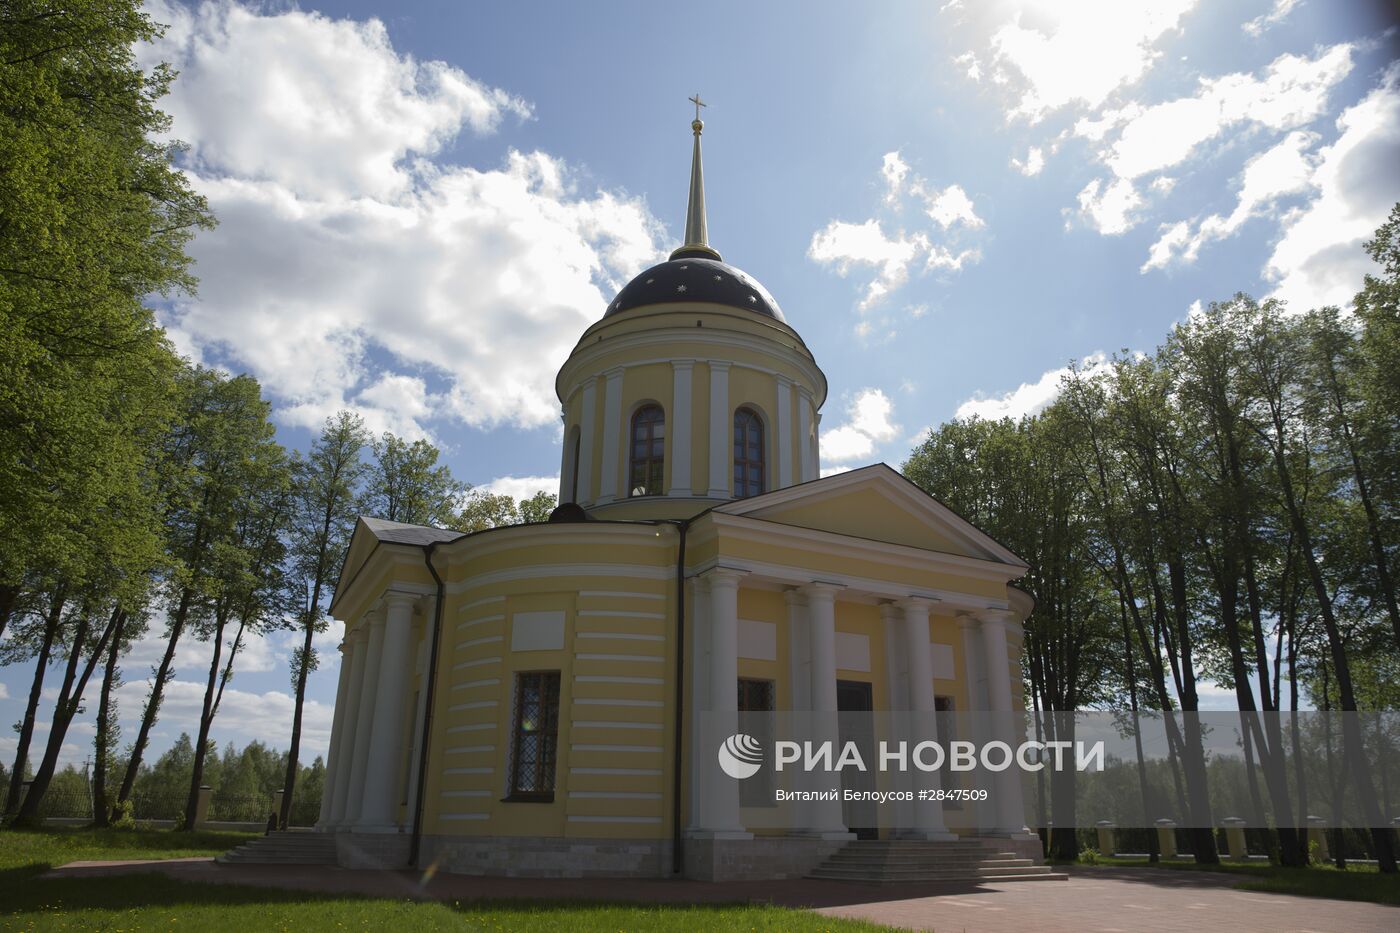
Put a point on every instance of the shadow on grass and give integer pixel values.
(140, 899)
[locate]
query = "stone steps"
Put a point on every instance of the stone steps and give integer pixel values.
(914, 861)
(284, 848)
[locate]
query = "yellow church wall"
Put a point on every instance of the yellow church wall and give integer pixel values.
(608, 772)
(866, 513)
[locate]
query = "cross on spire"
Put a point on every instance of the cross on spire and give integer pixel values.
(698, 104)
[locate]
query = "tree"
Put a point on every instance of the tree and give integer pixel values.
(537, 508)
(93, 218)
(327, 494)
(481, 510)
(406, 484)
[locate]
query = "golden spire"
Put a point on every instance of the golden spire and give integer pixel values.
(697, 241)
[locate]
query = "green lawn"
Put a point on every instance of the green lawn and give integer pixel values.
(1357, 883)
(155, 902)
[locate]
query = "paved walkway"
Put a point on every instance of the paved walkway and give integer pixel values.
(1092, 901)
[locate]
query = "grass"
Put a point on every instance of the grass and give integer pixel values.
(156, 902)
(1357, 883)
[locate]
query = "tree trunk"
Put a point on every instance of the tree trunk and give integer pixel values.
(9, 595)
(69, 700)
(102, 744)
(206, 720)
(1352, 750)
(313, 612)
(36, 690)
(148, 716)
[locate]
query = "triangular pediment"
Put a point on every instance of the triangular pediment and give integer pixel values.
(875, 503)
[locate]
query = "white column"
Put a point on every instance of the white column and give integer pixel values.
(333, 772)
(1010, 811)
(782, 432)
(364, 718)
(381, 799)
(928, 816)
(682, 375)
(587, 424)
(806, 430)
(612, 436)
(701, 773)
(724, 687)
(974, 673)
(825, 815)
(897, 702)
(358, 640)
(721, 431)
(417, 738)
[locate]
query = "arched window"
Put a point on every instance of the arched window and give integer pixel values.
(748, 454)
(648, 451)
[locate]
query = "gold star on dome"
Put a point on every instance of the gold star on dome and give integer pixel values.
(753, 299)
(680, 288)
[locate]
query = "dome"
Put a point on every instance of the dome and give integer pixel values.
(695, 278)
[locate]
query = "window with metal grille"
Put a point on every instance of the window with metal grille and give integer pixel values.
(536, 737)
(648, 457)
(756, 699)
(748, 453)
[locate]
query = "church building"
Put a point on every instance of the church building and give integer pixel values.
(536, 699)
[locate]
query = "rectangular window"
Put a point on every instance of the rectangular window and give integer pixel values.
(535, 739)
(756, 696)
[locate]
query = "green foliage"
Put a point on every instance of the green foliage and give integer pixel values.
(482, 510)
(406, 484)
(1089, 856)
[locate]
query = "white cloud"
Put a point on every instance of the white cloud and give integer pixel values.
(1292, 92)
(1275, 15)
(867, 246)
(1110, 208)
(1285, 169)
(894, 169)
(867, 424)
(1053, 55)
(847, 245)
(1034, 162)
(1028, 398)
(4, 691)
(952, 206)
(971, 67)
(521, 487)
(353, 266)
(1319, 259)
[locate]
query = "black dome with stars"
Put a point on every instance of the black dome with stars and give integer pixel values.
(696, 278)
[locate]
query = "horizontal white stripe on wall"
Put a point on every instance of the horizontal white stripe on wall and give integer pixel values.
(614, 819)
(478, 704)
(622, 636)
(471, 749)
(469, 684)
(484, 601)
(629, 658)
(472, 727)
(619, 614)
(613, 795)
(591, 701)
(494, 659)
(617, 594)
(641, 749)
(600, 679)
(472, 643)
(468, 770)
(463, 626)
(464, 816)
(599, 724)
(638, 772)
(466, 793)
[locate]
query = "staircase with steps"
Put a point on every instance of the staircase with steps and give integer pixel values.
(284, 848)
(918, 861)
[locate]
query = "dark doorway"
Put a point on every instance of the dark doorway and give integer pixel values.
(854, 703)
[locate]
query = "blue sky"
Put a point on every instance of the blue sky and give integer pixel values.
(423, 205)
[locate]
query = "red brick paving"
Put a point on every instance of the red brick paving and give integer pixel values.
(1092, 901)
